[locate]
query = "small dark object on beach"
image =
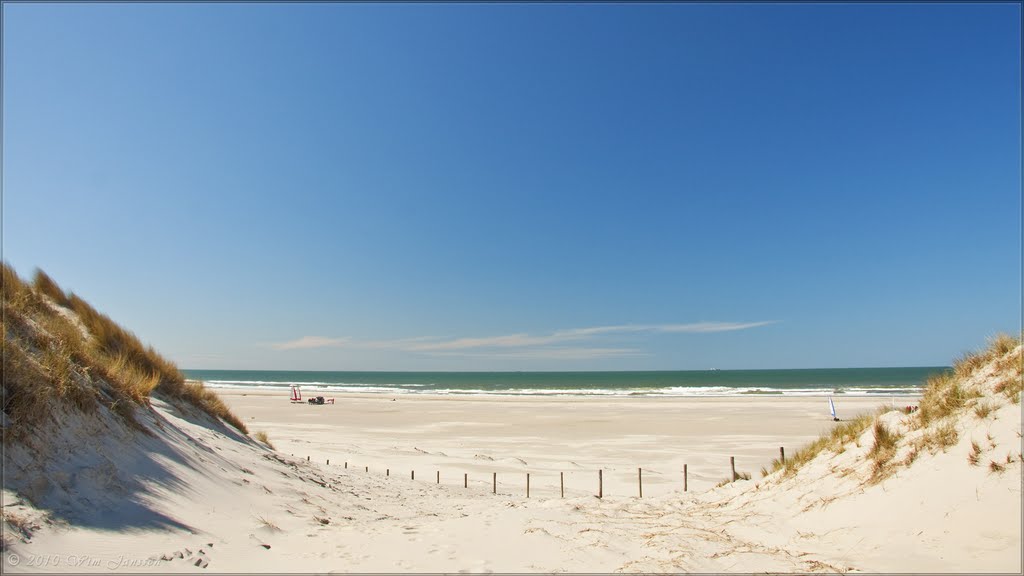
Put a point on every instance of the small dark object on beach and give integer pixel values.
(317, 400)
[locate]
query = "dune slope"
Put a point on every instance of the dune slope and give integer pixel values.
(947, 497)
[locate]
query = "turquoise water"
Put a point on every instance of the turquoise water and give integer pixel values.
(852, 381)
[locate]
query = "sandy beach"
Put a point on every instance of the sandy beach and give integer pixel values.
(109, 466)
(245, 480)
(545, 436)
(201, 498)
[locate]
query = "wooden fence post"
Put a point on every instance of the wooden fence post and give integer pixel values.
(412, 476)
(782, 455)
(494, 480)
(527, 484)
(600, 484)
(640, 481)
(465, 480)
(388, 472)
(438, 476)
(732, 464)
(561, 481)
(328, 461)
(367, 469)
(684, 477)
(346, 465)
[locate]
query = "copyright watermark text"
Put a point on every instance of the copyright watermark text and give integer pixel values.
(77, 561)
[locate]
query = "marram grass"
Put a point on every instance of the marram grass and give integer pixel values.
(264, 438)
(945, 398)
(883, 450)
(47, 357)
(834, 441)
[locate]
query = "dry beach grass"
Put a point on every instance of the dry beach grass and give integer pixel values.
(57, 347)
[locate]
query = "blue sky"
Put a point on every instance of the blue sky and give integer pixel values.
(522, 187)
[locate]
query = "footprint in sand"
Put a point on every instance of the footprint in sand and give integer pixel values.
(200, 559)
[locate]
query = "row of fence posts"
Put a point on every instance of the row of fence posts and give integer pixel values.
(561, 477)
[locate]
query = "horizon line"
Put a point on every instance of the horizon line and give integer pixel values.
(565, 371)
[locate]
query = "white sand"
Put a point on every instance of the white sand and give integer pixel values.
(545, 436)
(222, 503)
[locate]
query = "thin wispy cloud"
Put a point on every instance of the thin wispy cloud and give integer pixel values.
(568, 353)
(522, 345)
(507, 341)
(575, 334)
(312, 342)
(696, 327)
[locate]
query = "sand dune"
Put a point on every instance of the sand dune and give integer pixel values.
(180, 491)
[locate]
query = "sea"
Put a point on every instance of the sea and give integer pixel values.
(805, 382)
